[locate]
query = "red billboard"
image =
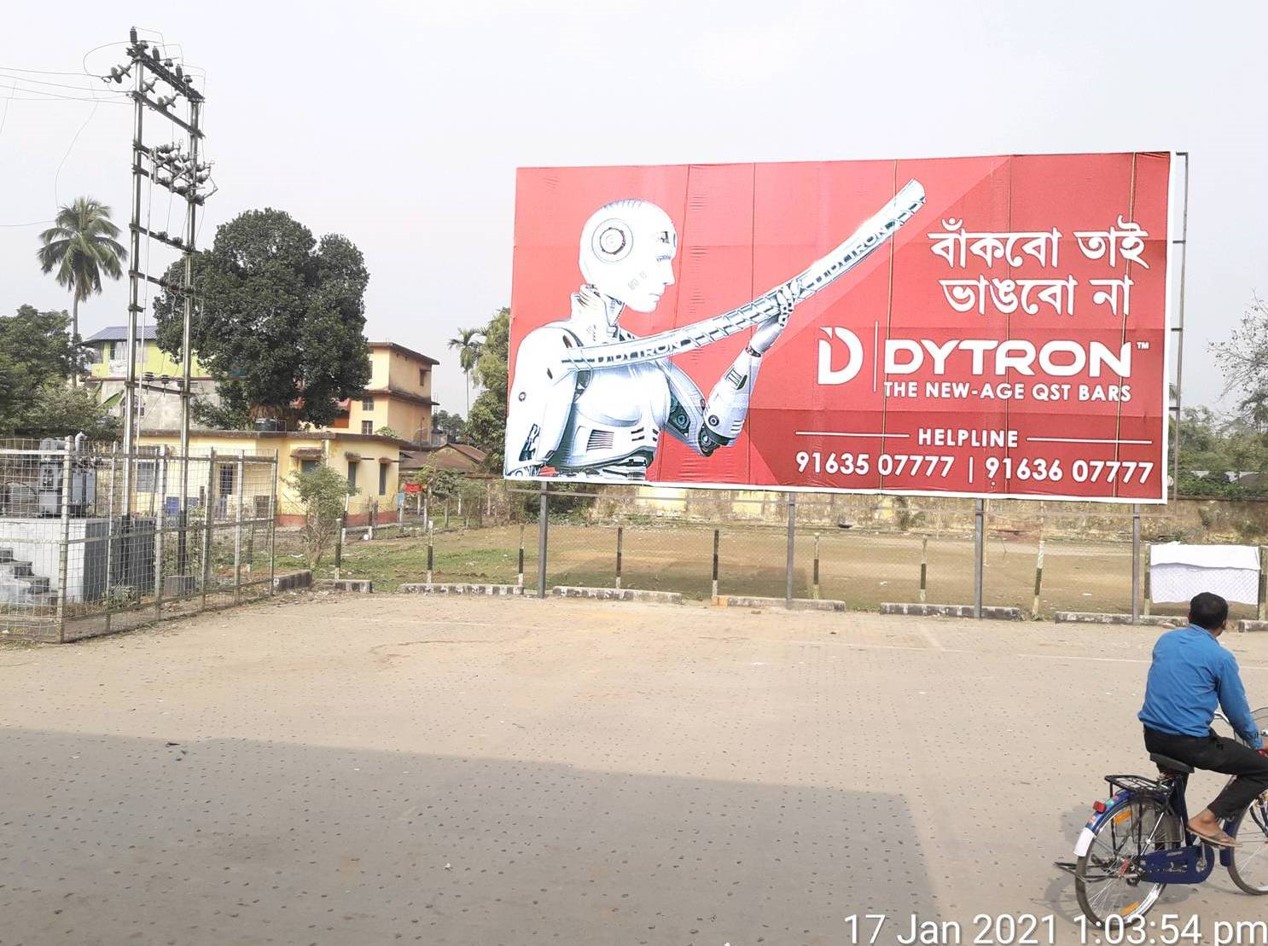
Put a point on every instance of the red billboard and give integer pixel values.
(991, 326)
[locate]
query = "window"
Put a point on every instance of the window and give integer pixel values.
(352, 473)
(308, 466)
(383, 479)
(226, 479)
(367, 427)
(145, 475)
(367, 404)
(422, 377)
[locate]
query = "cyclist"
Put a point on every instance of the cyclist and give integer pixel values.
(1189, 674)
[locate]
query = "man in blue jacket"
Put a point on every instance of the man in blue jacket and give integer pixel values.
(1189, 675)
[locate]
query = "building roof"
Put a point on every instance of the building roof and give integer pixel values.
(119, 333)
(315, 435)
(407, 352)
(457, 457)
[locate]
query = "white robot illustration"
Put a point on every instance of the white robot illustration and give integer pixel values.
(591, 400)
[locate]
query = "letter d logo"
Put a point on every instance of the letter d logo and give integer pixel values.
(853, 361)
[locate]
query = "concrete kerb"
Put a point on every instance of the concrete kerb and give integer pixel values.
(293, 581)
(1092, 617)
(989, 612)
(358, 585)
(434, 588)
(617, 594)
(798, 604)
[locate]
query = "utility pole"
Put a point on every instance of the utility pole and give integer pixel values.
(177, 168)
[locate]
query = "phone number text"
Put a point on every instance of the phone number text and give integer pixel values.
(932, 466)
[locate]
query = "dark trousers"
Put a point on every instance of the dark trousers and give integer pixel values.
(1217, 754)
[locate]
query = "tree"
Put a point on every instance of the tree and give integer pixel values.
(81, 246)
(323, 493)
(468, 343)
(452, 425)
(486, 423)
(1244, 361)
(437, 482)
(278, 317)
(36, 355)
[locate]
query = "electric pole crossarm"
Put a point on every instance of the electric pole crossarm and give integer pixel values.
(166, 113)
(174, 242)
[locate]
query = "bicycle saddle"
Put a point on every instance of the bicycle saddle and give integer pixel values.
(1167, 764)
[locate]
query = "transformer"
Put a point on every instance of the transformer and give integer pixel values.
(83, 478)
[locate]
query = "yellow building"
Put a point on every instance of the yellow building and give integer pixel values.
(397, 398)
(158, 372)
(370, 462)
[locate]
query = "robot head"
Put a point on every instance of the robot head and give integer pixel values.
(627, 252)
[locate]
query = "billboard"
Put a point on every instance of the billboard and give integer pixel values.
(992, 326)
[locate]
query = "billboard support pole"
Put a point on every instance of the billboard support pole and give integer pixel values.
(1135, 563)
(1178, 328)
(979, 521)
(543, 525)
(792, 536)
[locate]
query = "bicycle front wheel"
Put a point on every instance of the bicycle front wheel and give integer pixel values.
(1107, 878)
(1248, 862)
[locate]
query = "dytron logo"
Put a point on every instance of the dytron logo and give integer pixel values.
(841, 357)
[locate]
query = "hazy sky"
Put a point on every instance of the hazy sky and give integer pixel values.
(400, 125)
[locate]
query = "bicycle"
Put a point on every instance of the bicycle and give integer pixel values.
(1139, 841)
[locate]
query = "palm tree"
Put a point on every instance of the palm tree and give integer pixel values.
(80, 246)
(469, 341)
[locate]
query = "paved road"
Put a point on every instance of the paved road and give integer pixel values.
(357, 770)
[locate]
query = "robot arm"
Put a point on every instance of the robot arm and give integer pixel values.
(706, 425)
(540, 401)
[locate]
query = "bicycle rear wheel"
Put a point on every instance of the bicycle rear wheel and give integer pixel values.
(1248, 863)
(1107, 878)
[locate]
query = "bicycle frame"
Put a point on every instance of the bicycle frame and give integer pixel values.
(1191, 863)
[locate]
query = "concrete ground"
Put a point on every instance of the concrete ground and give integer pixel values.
(356, 770)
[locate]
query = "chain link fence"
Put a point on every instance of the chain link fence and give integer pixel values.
(864, 550)
(93, 540)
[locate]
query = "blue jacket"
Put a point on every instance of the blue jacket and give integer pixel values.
(1190, 673)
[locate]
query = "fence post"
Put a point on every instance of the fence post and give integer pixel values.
(114, 464)
(816, 573)
(1136, 563)
(620, 535)
(160, 523)
(1034, 611)
(63, 553)
(209, 516)
(273, 522)
(717, 540)
(520, 580)
(543, 527)
(237, 529)
(924, 568)
(1148, 589)
(979, 551)
(431, 553)
(1263, 586)
(343, 528)
(792, 535)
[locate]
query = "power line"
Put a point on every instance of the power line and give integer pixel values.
(44, 72)
(58, 85)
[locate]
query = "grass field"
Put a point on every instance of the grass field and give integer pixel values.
(861, 568)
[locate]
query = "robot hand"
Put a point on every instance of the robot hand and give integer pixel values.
(767, 332)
